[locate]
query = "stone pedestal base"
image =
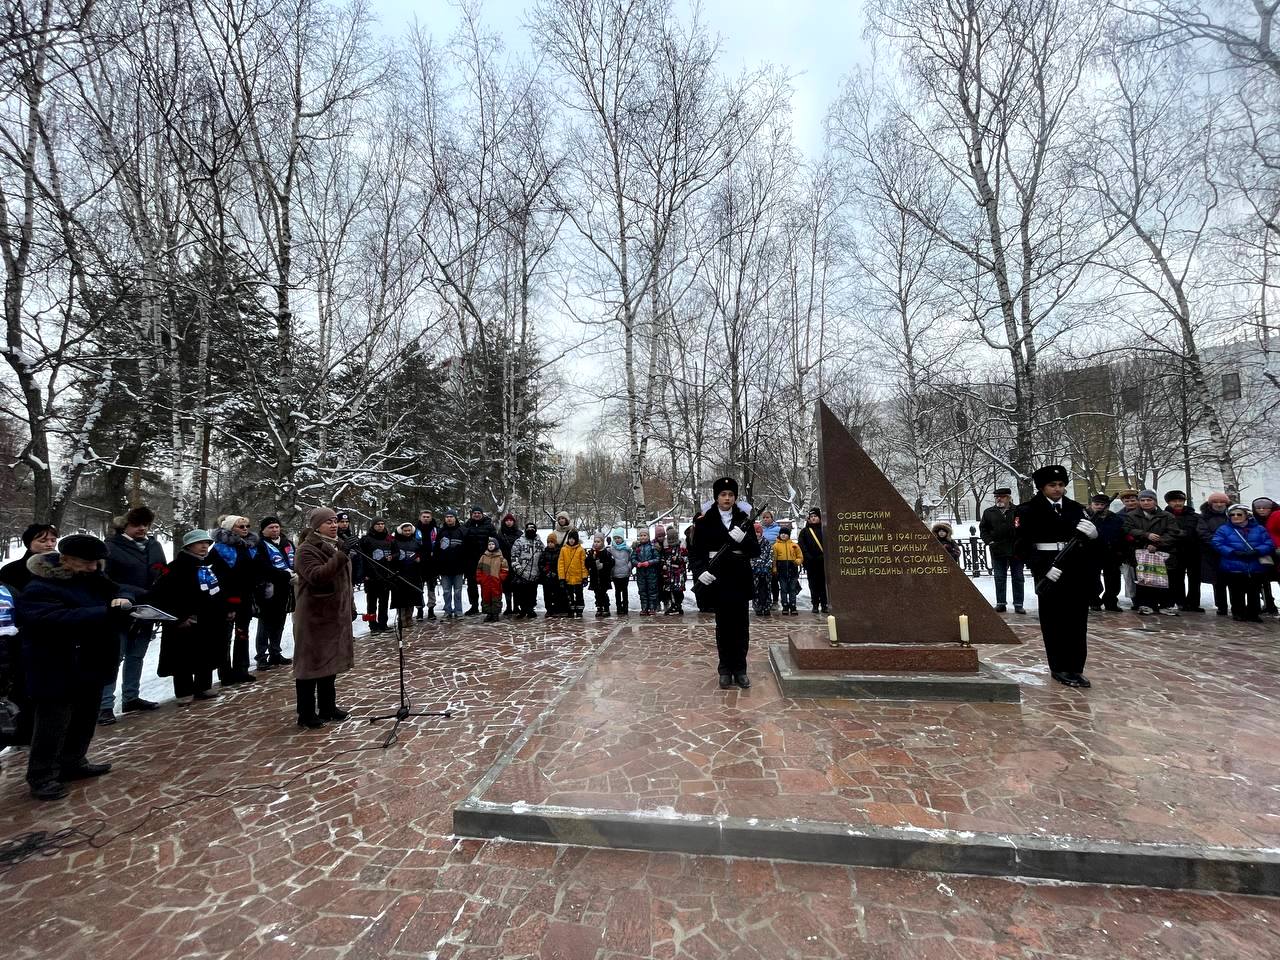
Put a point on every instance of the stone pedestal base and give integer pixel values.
(813, 651)
(986, 684)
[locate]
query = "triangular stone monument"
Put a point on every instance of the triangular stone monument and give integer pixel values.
(896, 594)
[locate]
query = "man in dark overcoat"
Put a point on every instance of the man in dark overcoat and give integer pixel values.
(1065, 579)
(727, 540)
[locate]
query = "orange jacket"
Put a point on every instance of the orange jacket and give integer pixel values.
(573, 565)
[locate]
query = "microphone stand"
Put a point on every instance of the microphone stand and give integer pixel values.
(405, 710)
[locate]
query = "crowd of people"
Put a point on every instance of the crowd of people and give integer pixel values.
(78, 614)
(1160, 556)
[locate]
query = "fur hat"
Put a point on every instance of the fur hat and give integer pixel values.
(723, 484)
(1174, 495)
(140, 515)
(1003, 492)
(83, 547)
(1045, 475)
(1101, 498)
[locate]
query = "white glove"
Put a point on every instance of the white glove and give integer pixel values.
(1088, 529)
(706, 578)
(1054, 575)
(737, 534)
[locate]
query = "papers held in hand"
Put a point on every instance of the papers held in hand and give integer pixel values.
(144, 611)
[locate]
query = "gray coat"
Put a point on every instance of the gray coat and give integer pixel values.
(526, 559)
(323, 644)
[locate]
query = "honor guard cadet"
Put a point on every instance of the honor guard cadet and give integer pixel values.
(727, 539)
(1052, 536)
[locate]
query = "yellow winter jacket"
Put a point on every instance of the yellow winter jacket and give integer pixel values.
(573, 565)
(784, 551)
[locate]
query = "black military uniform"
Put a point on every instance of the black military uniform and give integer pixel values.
(732, 588)
(1043, 530)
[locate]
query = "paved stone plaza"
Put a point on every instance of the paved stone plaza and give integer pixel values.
(357, 857)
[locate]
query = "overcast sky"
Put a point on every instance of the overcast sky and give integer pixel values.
(816, 41)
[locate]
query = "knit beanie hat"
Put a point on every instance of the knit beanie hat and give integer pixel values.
(1143, 494)
(266, 522)
(319, 515)
(230, 520)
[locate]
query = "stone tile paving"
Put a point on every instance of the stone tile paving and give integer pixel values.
(354, 858)
(1177, 742)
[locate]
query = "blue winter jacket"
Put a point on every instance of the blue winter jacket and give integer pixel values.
(1240, 549)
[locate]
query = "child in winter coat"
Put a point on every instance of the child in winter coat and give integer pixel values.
(942, 530)
(572, 569)
(675, 561)
(762, 572)
(526, 564)
(621, 571)
(1246, 557)
(553, 597)
(600, 573)
(1264, 509)
(786, 567)
(648, 565)
(491, 574)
